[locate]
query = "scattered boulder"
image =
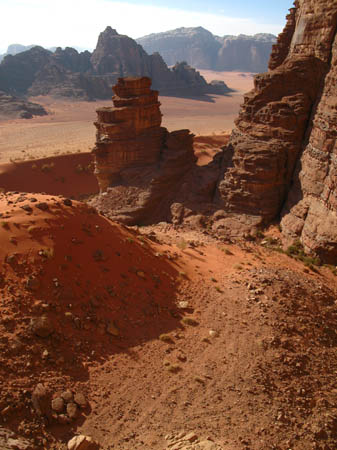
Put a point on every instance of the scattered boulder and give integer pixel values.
(57, 404)
(82, 442)
(41, 326)
(41, 400)
(72, 410)
(80, 400)
(67, 396)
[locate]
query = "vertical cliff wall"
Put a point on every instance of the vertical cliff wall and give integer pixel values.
(284, 145)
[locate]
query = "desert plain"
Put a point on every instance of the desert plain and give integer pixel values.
(69, 125)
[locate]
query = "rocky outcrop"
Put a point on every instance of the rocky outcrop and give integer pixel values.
(139, 165)
(283, 149)
(128, 134)
(203, 50)
(86, 76)
(16, 108)
(310, 212)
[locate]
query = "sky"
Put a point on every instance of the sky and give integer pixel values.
(60, 23)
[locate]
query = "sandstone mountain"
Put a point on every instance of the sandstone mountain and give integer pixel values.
(68, 73)
(203, 50)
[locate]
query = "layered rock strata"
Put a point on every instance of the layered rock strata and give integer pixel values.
(311, 208)
(128, 134)
(139, 165)
(287, 121)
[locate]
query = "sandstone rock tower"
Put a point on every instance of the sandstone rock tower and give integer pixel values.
(128, 134)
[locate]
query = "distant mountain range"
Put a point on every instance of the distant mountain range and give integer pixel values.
(88, 76)
(14, 49)
(203, 50)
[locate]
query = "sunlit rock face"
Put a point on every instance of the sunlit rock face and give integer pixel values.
(139, 165)
(282, 153)
(129, 133)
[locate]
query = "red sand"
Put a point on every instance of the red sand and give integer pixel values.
(68, 175)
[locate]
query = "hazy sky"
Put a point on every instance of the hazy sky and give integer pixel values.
(78, 22)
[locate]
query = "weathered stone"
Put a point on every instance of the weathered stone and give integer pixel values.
(281, 156)
(80, 400)
(311, 207)
(41, 400)
(67, 396)
(82, 442)
(57, 404)
(72, 410)
(138, 163)
(41, 326)
(43, 206)
(130, 133)
(112, 329)
(63, 419)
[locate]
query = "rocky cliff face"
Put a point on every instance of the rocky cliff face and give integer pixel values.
(282, 153)
(203, 50)
(139, 165)
(68, 73)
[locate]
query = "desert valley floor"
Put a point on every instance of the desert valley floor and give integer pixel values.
(160, 337)
(69, 127)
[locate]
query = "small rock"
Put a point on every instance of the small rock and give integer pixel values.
(67, 202)
(43, 206)
(57, 404)
(82, 443)
(63, 419)
(208, 445)
(41, 400)
(191, 437)
(80, 400)
(27, 208)
(213, 333)
(183, 305)
(41, 326)
(67, 396)
(112, 329)
(141, 274)
(72, 410)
